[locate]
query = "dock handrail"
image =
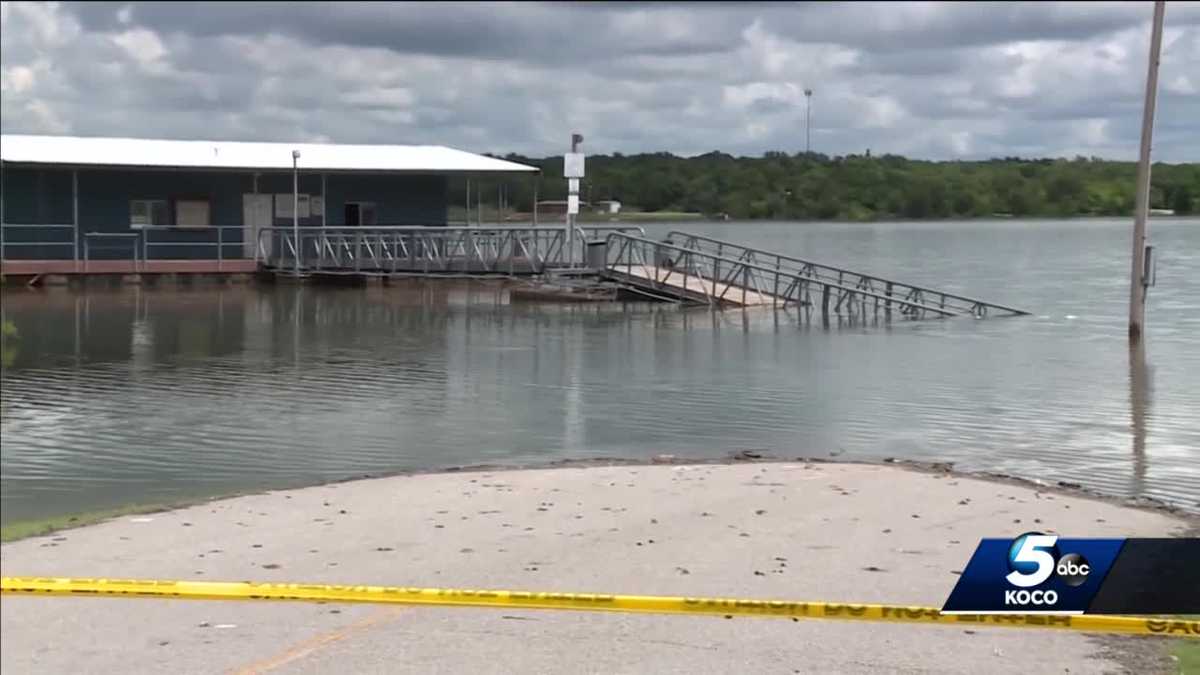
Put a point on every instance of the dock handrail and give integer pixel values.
(42, 229)
(602, 231)
(148, 242)
(131, 237)
(398, 249)
(958, 303)
(719, 276)
(487, 248)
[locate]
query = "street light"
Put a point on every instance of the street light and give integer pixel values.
(808, 121)
(296, 207)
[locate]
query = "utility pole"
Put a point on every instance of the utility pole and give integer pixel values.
(1139, 275)
(808, 121)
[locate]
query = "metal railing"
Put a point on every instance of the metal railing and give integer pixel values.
(594, 232)
(408, 249)
(956, 304)
(666, 269)
(429, 249)
(217, 238)
(141, 243)
(130, 237)
(38, 230)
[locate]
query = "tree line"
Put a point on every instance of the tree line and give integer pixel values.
(855, 187)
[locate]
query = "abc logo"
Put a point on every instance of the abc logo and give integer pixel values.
(1033, 558)
(1073, 569)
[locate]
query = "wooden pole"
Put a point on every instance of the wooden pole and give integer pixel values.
(1137, 276)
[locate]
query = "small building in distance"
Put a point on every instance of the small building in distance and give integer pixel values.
(201, 206)
(556, 207)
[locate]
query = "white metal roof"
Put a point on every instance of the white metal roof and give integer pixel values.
(93, 151)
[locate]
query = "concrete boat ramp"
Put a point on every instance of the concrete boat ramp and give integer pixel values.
(782, 530)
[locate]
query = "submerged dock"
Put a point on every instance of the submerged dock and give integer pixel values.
(595, 264)
(684, 267)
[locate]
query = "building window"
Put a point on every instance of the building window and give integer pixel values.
(149, 213)
(192, 213)
(284, 201)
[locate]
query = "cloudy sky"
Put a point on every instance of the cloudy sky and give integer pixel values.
(933, 80)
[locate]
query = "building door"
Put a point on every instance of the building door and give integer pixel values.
(360, 213)
(256, 214)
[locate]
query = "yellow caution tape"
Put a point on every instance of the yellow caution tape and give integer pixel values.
(726, 607)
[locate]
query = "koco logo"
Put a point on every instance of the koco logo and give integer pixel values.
(1032, 559)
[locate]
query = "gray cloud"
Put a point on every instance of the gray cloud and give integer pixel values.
(933, 80)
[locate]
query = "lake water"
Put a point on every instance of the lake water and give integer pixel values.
(148, 396)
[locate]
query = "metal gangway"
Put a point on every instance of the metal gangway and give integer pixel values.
(476, 251)
(684, 267)
(699, 269)
(860, 281)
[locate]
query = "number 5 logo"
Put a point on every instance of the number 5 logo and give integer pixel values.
(1029, 553)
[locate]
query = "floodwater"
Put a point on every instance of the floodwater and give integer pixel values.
(148, 396)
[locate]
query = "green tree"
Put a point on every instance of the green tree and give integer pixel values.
(800, 186)
(1181, 200)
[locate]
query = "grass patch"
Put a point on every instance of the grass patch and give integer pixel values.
(36, 527)
(23, 529)
(1188, 653)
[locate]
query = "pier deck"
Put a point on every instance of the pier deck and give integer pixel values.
(674, 281)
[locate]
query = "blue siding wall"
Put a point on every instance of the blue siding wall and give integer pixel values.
(37, 196)
(104, 197)
(408, 200)
(40, 196)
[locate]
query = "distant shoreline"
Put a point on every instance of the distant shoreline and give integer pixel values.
(635, 218)
(812, 186)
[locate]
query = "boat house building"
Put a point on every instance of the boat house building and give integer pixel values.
(79, 205)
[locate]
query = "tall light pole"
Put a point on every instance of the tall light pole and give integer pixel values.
(1139, 277)
(807, 121)
(296, 207)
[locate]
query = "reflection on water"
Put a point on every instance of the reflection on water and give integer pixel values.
(1139, 407)
(155, 396)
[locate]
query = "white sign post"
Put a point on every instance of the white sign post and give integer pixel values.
(572, 171)
(573, 165)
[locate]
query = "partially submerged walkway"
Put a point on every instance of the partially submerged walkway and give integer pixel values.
(683, 267)
(781, 530)
(695, 268)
